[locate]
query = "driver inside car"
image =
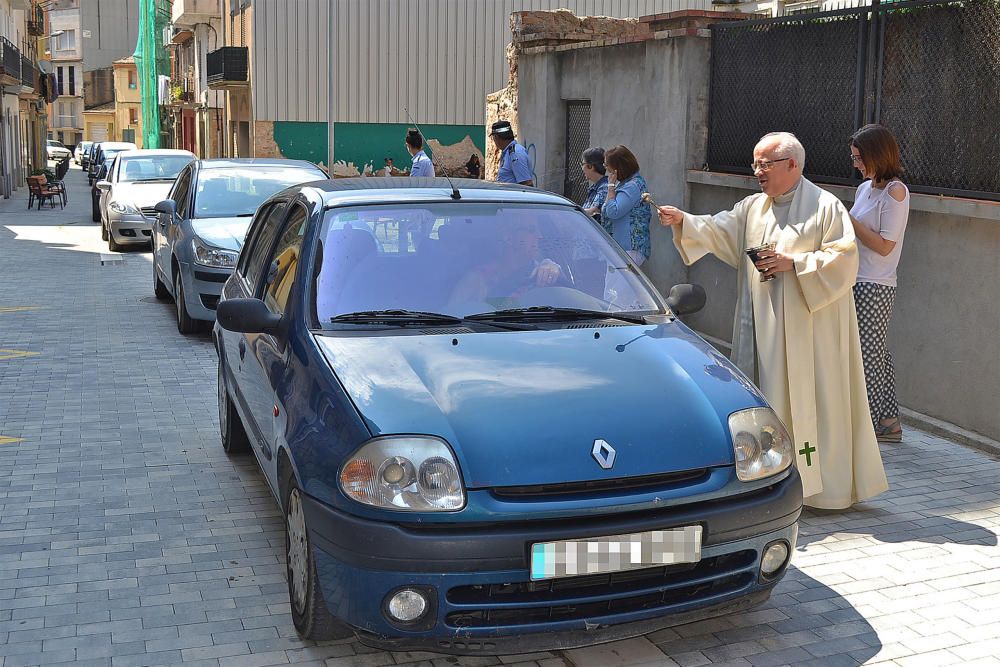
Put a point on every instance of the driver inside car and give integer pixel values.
(516, 269)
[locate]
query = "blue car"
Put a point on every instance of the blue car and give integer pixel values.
(487, 431)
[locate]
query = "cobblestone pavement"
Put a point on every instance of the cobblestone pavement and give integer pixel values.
(127, 537)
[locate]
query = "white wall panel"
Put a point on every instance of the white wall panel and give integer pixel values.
(439, 58)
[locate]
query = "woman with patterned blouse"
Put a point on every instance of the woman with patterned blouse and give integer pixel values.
(624, 215)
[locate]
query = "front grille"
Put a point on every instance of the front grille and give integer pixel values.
(603, 485)
(660, 587)
(149, 211)
(210, 301)
(211, 277)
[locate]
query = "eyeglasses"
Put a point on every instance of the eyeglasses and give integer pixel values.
(855, 158)
(765, 165)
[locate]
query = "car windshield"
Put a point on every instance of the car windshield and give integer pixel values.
(467, 259)
(56, 143)
(238, 191)
(152, 168)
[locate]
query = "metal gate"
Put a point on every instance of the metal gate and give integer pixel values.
(577, 141)
(928, 70)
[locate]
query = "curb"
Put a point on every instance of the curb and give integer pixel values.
(950, 431)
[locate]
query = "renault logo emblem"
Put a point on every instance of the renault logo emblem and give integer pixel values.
(604, 454)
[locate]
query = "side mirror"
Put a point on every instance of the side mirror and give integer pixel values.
(686, 298)
(104, 185)
(247, 316)
(168, 206)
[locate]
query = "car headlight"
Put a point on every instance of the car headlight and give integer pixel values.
(760, 442)
(122, 208)
(209, 255)
(406, 473)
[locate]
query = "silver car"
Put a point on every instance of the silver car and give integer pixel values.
(138, 180)
(201, 225)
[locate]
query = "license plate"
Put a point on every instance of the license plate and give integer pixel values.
(616, 553)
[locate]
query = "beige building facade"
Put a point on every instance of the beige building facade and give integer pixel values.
(128, 102)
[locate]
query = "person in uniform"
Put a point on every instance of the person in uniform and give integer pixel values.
(514, 164)
(422, 165)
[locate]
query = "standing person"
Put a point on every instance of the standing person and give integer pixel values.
(592, 166)
(387, 170)
(881, 208)
(797, 333)
(624, 214)
(515, 167)
(474, 166)
(422, 165)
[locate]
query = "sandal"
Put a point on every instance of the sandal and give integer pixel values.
(889, 432)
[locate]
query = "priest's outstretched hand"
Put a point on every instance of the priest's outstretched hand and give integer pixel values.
(670, 216)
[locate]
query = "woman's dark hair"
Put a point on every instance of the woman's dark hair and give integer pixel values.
(595, 158)
(879, 151)
(622, 161)
(414, 138)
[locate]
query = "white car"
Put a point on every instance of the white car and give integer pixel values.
(56, 150)
(137, 181)
(80, 150)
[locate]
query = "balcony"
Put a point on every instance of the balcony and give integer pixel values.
(227, 68)
(191, 12)
(10, 63)
(28, 75)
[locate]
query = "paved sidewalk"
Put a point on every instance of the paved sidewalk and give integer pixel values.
(127, 537)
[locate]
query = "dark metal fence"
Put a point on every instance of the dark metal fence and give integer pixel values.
(927, 70)
(577, 141)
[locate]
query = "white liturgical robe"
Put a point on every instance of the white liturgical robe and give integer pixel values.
(798, 334)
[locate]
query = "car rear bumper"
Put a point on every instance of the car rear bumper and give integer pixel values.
(481, 596)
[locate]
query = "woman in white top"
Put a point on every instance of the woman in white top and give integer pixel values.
(879, 215)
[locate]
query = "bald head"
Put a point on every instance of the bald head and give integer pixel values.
(779, 158)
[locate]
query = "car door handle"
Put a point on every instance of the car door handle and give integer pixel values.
(243, 349)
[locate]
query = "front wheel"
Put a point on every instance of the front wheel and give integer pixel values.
(234, 436)
(95, 210)
(310, 615)
(159, 289)
(185, 323)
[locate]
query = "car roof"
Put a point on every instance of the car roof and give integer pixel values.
(391, 190)
(123, 145)
(154, 152)
(228, 163)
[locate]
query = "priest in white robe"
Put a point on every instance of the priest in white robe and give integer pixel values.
(797, 335)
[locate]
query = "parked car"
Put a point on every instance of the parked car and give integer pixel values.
(91, 155)
(81, 150)
(201, 225)
(105, 150)
(460, 396)
(95, 193)
(55, 150)
(130, 191)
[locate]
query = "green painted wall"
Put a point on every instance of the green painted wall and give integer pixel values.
(302, 141)
(361, 143)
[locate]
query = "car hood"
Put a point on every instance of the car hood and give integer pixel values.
(226, 233)
(525, 408)
(142, 195)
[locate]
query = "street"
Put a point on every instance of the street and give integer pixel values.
(128, 537)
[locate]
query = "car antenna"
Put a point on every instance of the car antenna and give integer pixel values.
(455, 194)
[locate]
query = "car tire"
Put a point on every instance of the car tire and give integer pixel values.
(185, 323)
(113, 245)
(160, 290)
(310, 615)
(234, 435)
(95, 211)
(104, 232)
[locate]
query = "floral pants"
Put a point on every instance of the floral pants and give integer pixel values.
(874, 306)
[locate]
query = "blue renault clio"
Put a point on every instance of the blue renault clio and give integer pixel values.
(487, 431)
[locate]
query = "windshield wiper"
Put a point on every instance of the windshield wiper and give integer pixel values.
(401, 317)
(554, 312)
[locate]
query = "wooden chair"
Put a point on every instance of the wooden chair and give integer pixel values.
(40, 192)
(58, 186)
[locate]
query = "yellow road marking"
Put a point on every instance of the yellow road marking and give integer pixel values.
(16, 354)
(7, 440)
(18, 309)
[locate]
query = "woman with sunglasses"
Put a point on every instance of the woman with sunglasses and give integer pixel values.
(879, 215)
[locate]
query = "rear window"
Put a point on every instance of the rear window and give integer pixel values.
(239, 191)
(152, 168)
